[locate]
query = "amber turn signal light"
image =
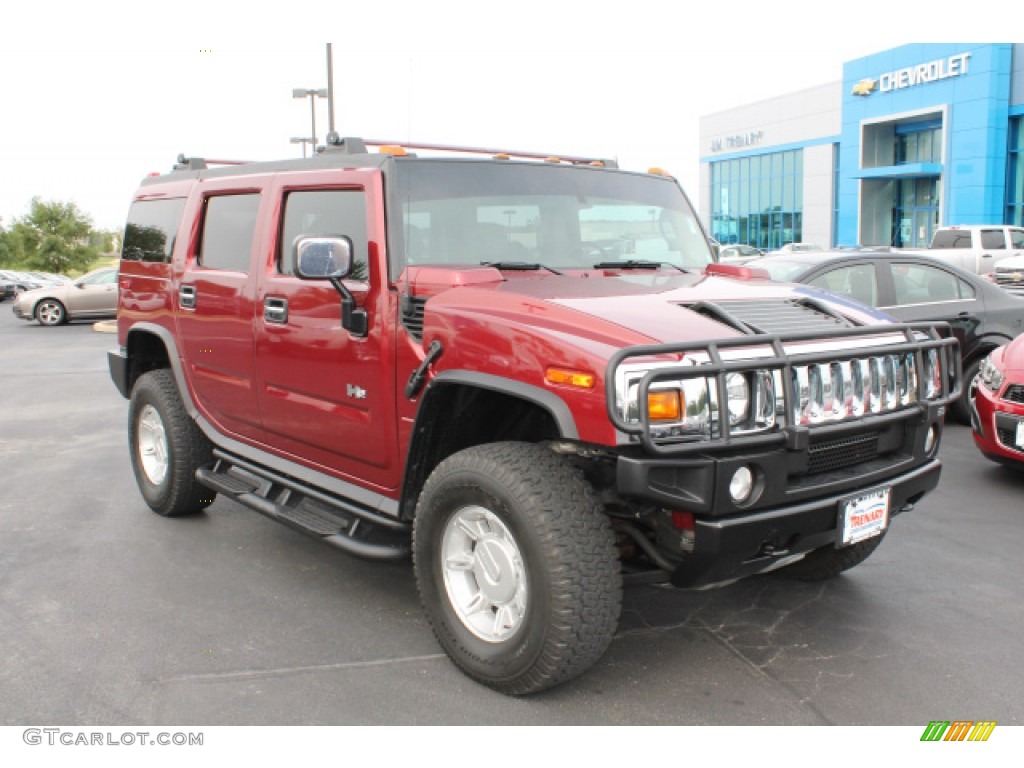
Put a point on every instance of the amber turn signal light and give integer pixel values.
(664, 406)
(571, 378)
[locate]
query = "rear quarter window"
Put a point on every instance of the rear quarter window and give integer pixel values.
(151, 229)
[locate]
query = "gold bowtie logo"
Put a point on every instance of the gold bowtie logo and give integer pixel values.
(865, 87)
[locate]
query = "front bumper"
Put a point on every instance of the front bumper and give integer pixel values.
(994, 425)
(734, 547)
(117, 362)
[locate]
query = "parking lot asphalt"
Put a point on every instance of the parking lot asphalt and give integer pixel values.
(110, 614)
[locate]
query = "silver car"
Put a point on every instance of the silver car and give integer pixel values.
(91, 296)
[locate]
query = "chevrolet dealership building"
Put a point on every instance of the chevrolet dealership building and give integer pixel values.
(911, 139)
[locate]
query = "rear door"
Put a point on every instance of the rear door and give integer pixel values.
(927, 292)
(214, 304)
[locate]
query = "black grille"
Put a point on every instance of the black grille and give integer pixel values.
(1015, 393)
(1008, 437)
(830, 455)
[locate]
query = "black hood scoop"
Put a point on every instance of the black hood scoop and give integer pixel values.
(773, 316)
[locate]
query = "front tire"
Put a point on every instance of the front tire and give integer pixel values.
(961, 409)
(516, 566)
(167, 447)
(51, 312)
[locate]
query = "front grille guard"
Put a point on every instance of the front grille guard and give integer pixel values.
(919, 339)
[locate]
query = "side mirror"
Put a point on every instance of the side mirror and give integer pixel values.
(323, 257)
(329, 257)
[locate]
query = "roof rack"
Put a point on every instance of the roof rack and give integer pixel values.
(201, 163)
(352, 145)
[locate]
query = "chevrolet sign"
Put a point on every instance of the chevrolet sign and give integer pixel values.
(920, 74)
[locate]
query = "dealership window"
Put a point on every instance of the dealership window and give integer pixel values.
(918, 143)
(758, 200)
(1015, 175)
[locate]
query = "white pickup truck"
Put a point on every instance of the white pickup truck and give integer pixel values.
(977, 248)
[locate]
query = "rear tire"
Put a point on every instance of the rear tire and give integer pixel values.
(167, 447)
(516, 566)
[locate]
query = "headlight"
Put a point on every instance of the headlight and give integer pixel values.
(691, 407)
(739, 397)
(990, 375)
(932, 374)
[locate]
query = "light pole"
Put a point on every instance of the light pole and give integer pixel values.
(303, 140)
(312, 93)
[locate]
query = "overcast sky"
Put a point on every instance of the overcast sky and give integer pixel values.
(97, 95)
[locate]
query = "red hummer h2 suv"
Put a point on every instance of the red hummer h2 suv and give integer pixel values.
(526, 371)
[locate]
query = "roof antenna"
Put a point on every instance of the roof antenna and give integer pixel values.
(330, 91)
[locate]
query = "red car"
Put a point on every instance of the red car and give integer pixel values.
(998, 413)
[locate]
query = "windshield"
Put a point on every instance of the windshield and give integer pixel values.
(781, 269)
(558, 217)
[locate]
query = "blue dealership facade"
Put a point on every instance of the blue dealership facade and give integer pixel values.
(910, 139)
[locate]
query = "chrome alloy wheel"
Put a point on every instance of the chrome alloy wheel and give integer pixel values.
(50, 313)
(484, 574)
(152, 442)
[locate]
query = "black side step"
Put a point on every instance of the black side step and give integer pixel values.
(336, 521)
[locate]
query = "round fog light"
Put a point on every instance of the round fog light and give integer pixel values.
(741, 485)
(931, 439)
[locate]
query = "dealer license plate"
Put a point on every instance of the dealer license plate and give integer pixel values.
(1020, 434)
(865, 515)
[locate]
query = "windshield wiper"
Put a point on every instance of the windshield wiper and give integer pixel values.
(636, 264)
(522, 266)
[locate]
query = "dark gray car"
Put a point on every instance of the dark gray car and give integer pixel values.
(911, 287)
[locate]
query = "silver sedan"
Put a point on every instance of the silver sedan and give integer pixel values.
(92, 296)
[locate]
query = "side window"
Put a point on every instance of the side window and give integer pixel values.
(1017, 238)
(857, 281)
(325, 212)
(993, 240)
(149, 233)
(100, 278)
(228, 227)
(922, 284)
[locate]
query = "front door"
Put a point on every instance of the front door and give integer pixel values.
(326, 393)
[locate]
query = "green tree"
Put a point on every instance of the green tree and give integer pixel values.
(54, 237)
(10, 250)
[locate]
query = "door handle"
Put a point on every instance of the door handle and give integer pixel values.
(187, 297)
(275, 310)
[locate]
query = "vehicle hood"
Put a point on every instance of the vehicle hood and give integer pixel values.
(1013, 359)
(602, 313)
(54, 291)
(1010, 263)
